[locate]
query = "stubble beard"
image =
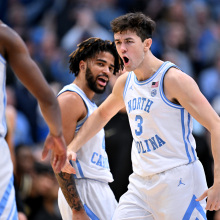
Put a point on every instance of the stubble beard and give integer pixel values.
(91, 81)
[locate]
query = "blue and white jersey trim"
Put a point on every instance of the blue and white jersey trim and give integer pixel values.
(151, 78)
(192, 206)
(127, 84)
(188, 146)
(5, 200)
(2, 59)
(164, 98)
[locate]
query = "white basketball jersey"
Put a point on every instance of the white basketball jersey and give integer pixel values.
(8, 208)
(162, 130)
(92, 159)
(3, 127)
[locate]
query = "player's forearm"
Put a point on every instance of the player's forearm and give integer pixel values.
(51, 113)
(215, 142)
(66, 181)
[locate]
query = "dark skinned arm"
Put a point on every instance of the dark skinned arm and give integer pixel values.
(76, 111)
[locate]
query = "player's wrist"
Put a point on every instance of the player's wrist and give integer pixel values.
(57, 134)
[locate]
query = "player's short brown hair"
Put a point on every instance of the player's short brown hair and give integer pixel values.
(136, 22)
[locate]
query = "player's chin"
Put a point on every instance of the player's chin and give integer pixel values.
(100, 89)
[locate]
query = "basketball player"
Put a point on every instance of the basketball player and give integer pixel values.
(93, 63)
(14, 51)
(168, 180)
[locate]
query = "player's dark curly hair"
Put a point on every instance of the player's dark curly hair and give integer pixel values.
(136, 22)
(89, 48)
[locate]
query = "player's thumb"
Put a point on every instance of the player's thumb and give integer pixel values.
(71, 155)
(203, 196)
(47, 146)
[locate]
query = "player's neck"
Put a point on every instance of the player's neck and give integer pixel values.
(82, 84)
(148, 68)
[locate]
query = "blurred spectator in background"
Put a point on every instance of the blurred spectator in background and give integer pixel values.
(21, 128)
(175, 45)
(209, 79)
(85, 27)
(105, 11)
(36, 184)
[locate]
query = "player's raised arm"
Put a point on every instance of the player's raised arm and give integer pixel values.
(30, 75)
(101, 115)
(187, 93)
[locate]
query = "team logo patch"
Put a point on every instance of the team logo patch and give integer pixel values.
(153, 92)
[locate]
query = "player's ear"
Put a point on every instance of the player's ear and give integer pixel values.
(82, 65)
(147, 44)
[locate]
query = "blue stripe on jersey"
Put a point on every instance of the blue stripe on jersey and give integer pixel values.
(6, 195)
(194, 205)
(78, 126)
(2, 59)
(90, 213)
(151, 78)
(183, 130)
(189, 132)
(164, 98)
(79, 168)
(13, 212)
(4, 123)
(15, 217)
(127, 83)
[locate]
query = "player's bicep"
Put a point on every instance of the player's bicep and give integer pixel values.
(185, 90)
(22, 64)
(72, 110)
(198, 106)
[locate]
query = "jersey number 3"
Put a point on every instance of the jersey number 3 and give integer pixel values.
(139, 119)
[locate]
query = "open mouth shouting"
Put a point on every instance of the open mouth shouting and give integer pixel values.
(126, 60)
(102, 80)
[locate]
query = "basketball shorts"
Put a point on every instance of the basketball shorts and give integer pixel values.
(169, 195)
(97, 197)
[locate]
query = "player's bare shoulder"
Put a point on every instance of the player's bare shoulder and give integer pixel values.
(176, 82)
(11, 42)
(74, 102)
(176, 78)
(3, 27)
(70, 98)
(6, 33)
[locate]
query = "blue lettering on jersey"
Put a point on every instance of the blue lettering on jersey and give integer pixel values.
(150, 144)
(99, 160)
(159, 140)
(153, 143)
(139, 103)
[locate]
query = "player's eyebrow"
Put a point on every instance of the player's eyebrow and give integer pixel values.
(104, 61)
(128, 38)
